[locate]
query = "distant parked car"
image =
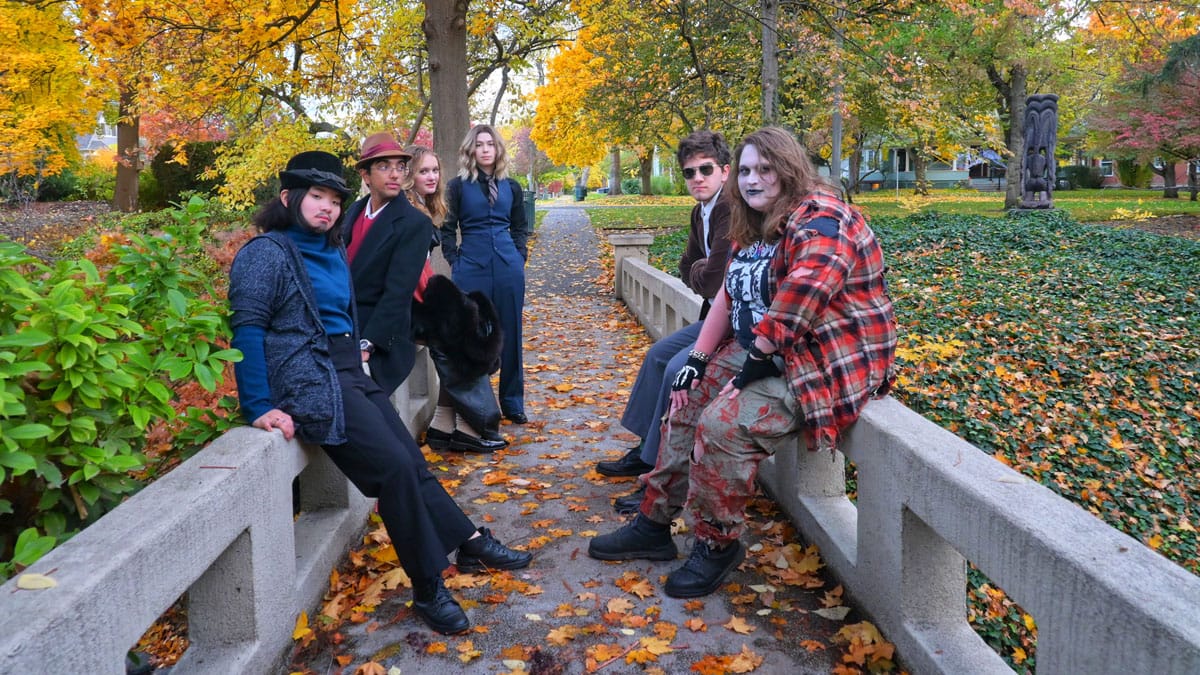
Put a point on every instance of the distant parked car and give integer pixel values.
(602, 191)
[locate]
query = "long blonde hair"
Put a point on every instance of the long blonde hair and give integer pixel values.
(467, 167)
(433, 204)
(795, 173)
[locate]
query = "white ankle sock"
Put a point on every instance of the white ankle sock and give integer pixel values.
(443, 419)
(467, 429)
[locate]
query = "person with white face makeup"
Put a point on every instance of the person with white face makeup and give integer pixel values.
(800, 338)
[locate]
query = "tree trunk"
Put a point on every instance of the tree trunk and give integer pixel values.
(1194, 177)
(1016, 136)
(920, 184)
(856, 167)
(614, 173)
(645, 167)
(499, 96)
(129, 158)
(1170, 187)
(770, 61)
(445, 28)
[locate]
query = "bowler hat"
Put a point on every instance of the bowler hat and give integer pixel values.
(314, 167)
(380, 145)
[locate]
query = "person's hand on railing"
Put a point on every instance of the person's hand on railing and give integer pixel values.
(276, 419)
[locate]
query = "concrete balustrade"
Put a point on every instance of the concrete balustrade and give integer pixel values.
(219, 529)
(928, 502)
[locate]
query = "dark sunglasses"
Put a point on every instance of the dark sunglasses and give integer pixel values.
(704, 169)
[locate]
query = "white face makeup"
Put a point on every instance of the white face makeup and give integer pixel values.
(757, 180)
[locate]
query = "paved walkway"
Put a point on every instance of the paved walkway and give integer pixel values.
(568, 613)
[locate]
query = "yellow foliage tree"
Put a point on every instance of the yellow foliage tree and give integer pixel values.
(42, 106)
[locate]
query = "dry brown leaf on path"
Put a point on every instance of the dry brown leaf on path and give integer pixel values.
(738, 625)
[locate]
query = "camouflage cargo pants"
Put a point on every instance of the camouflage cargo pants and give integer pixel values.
(712, 446)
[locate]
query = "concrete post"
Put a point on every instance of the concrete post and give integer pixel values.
(634, 245)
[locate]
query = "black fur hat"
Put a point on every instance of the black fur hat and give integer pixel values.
(463, 326)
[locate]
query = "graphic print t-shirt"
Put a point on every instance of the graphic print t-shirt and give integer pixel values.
(746, 282)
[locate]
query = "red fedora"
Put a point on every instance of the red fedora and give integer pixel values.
(380, 145)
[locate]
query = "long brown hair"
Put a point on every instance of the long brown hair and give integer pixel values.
(794, 173)
(434, 204)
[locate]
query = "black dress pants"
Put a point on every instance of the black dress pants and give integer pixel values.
(384, 462)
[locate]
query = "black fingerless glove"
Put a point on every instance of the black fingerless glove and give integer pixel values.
(692, 371)
(757, 366)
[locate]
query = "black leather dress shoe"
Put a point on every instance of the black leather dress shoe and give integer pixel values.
(461, 442)
(629, 465)
(485, 552)
(704, 570)
(437, 439)
(442, 613)
(630, 503)
(517, 418)
(494, 436)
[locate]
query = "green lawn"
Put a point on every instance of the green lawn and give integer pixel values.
(635, 212)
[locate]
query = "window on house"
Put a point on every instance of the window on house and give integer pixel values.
(1106, 167)
(902, 160)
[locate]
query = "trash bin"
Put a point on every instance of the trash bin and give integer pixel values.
(580, 192)
(529, 196)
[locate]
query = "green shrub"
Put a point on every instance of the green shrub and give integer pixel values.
(662, 185)
(631, 186)
(1082, 177)
(150, 194)
(86, 360)
(96, 182)
(1132, 174)
(174, 179)
(58, 188)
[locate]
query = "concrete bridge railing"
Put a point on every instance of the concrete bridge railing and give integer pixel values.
(927, 503)
(219, 529)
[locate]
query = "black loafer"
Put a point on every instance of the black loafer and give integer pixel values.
(443, 613)
(461, 442)
(437, 439)
(630, 503)
(494, 436)
(629, 465)
(485, 552)
(640, 539)
(517, 418)
(704, 570)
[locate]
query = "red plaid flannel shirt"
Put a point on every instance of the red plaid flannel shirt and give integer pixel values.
(831, 317)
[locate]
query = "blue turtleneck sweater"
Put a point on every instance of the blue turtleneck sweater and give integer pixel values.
(330, 276)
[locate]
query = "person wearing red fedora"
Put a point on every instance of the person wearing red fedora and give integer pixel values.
(387, 241)
(295, 321)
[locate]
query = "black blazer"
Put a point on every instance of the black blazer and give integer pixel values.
(385, 272)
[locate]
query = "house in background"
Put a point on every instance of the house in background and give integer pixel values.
(102, 139)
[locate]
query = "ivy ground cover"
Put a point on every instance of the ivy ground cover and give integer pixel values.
(1071, 352)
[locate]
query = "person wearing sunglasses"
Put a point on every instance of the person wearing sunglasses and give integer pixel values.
(704, 157)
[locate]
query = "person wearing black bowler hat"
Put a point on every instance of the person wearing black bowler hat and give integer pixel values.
(295, 322)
